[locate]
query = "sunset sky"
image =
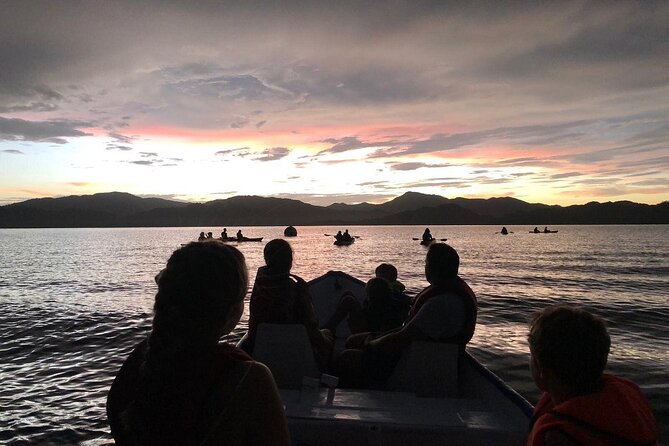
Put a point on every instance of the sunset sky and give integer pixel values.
(338, 101)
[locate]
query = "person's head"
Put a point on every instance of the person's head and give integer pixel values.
(378, 291)
(386, 271)
(441, 263)
(569, 347)
(200, 293)
(278, 256)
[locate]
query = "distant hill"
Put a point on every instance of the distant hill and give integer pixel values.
(117, 209)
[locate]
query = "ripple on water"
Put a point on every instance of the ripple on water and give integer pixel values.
(64, 334)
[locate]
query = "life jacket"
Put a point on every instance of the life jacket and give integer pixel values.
(274, 299)
(616, 415)
(459, 289)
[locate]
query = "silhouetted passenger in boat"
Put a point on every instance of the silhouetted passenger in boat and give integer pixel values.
(224, 234)
(210, 235)
(346, 236)
(545, 228)
(389, 272)
(504, 230)
(180, 386)
(427, 236)
(379, 312)
(339, 236)
(282, 298)
(581, 404)
(240, 235)
(536, 230)
(445, 311)
(201, 237)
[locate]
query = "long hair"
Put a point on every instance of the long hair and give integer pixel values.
(200, 285)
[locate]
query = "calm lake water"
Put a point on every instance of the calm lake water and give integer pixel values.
(75, 301)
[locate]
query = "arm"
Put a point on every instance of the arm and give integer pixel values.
(396, 340)
(267, 421)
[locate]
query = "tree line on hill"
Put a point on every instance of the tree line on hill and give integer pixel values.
(117, 209)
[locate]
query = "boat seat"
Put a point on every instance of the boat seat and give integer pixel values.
(428, 369)
(286, 350)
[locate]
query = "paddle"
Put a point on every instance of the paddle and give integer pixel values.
(441, 239)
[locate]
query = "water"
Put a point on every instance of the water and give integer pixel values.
(75, 301)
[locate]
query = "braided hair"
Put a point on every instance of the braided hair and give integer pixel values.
(197, 290)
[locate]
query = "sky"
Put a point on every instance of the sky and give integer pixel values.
(561, 102)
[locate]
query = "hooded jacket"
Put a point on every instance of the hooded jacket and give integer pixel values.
(618, 414)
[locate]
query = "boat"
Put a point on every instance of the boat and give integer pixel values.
(243, 239)
(435, 397)
(428, 242)
(290, 231)
(344, 242)
(544, 232)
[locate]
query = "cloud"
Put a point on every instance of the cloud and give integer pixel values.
(118, 137)
(31, 107)
(416, 165)
(260, 123)
(242, 151)
(12, 151)
(344, 144)
(143, 162)
(239, 122)
(118, 147)
(78, 184)
(13, 129)
(560, 176)
(273, 154)
(148, 154)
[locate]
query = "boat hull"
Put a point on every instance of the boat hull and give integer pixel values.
(485, 411)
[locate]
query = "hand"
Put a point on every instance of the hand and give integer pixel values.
(327, 334)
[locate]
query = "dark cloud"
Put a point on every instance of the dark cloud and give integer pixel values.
(13, 151)
(412, 166)
(408, 166)
(273, 154)
(39, 131)
(118, 147)
(345, 144)
(148, 154)
(242, 151)
(143, 162)
(118, 137)
(31, 107)
(239, 122)
(260, 124)
(204, 80)
(560, 176)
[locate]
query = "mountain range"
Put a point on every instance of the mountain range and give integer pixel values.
(118, 209)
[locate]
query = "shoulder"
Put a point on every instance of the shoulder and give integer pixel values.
(257, 382)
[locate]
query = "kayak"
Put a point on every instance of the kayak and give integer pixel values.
(444, 398)
(427, 242)
(544, 232)
(344, 242)
(243, 239)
